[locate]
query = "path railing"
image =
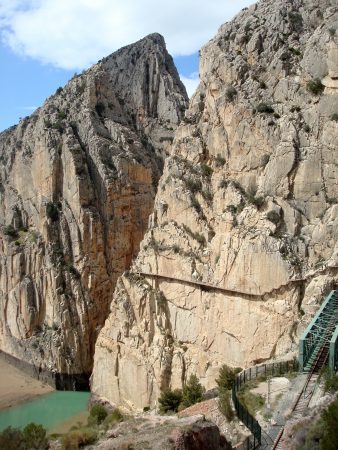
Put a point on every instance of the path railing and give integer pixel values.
(261, 371)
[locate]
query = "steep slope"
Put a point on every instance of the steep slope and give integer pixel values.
(78, 180)
(247, 205)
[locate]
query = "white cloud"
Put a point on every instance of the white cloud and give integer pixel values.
(190, 83)
(27, 108)
(72, 34)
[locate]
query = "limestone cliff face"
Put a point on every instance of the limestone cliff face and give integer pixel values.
(247, 204)
(77, 184)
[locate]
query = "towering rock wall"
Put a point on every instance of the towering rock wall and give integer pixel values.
(77, 184)
(247, 207)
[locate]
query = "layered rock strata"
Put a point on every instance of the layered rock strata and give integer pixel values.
(242, 244)
(77, 184)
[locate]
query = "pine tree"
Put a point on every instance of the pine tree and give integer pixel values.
(193, 391)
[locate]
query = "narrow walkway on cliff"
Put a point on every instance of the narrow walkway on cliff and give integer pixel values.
(214, 287)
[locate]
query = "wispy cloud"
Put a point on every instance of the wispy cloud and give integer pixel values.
(72, 34)
(191, 82)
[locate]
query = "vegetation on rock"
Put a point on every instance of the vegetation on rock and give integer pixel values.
(32, 437)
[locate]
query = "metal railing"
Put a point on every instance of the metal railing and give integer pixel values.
(320, 329)
(261, 371)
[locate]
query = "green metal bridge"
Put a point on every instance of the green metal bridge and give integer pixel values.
(320, 339)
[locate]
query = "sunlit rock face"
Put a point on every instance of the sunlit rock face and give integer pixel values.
(77, 184)
(247, 202)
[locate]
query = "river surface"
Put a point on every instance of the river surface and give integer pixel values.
(50, 410)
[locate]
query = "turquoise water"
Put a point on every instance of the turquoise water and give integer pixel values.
(48, 410)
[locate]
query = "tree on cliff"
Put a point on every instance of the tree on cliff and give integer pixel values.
(192, 392)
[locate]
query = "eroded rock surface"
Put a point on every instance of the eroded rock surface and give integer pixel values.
(77, 184)
(164, 433)
(247, 203)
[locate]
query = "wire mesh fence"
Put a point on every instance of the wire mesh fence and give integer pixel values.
(257, 372)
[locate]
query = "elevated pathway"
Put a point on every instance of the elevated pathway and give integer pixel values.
(228, 290)
(321, 336)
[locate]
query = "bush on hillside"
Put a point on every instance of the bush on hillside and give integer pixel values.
(170, 400)
(192, 392)
(315, 86)
(97, 414)
(226, 377)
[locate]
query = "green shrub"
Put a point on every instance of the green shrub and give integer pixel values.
(252, 402)
(295, 19)
(193, 185)
(170, 400)
(258, 201)
(265, 108)
(307, 128)
(334, 117)
(192, 392)
(196, 205)
(9, 230)
(52, 211)
(206, 170)
(331, 380)
(35, 437)
(315, 86)
(219, 161)
(207, 194)
(115, 417)
(80, 88)
(262, 85)
(97, 414)
(226, 377)
(295, 108)
(62, 115)
(224, 404)
(230, 93)
(76, 439)
(58, 126)
(12, 439)
(295, 51)
(330, 428)
(59, 90)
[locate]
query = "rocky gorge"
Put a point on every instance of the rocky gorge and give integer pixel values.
(77, 184)
(230, 260)
(241, 245)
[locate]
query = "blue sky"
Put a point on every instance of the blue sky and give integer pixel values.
(44, 42)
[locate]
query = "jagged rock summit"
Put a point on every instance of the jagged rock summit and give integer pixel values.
(242, 243)
(77, 184)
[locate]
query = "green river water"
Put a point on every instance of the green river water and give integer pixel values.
(49, 410)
